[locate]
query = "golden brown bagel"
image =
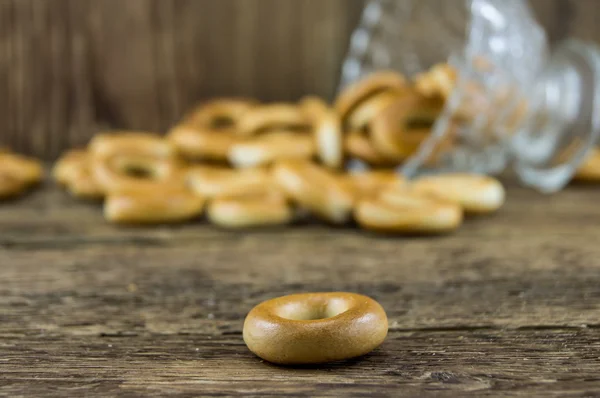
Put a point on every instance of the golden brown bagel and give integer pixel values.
(196, 143)
(401, 210)
(589, 171)
(371, 183)
(211, 182)
(364, 113)
(131, 142)
(315, 328)
(399, 130)
(363, 89)
(73, 170)
(259, 209)
(358, 145)
(126, 172)
(270, 147)
(17, 174)
(11, 186)
(439, 81)
(316, 189)
(272, 117)
(474, 193)
(28, 170)
(327, 128)
(166, 204)
(220, 114)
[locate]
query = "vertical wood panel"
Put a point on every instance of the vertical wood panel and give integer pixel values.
(70, 67)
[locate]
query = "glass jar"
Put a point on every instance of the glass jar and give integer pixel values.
(533, 111)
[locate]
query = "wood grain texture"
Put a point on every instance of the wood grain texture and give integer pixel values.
(507, 306)
(71, 67)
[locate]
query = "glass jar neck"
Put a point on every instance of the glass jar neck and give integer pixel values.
(562, 124)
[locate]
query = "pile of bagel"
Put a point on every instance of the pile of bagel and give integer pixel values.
(248, 164)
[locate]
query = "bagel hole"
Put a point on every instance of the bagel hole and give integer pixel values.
(221, 122)
(419, 123)
(313, 312)
(139, 172)
(288, 128)
(368, 96)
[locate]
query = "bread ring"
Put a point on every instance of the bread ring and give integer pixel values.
(132, 143)
(125, 172)
(476, 194)
(315, 189)
(272, 117)
(200, 144)
(364, 113)
(327, 128)
(211, 182)
(10, 185)
(363, 89)
(28, 170)
(439, 81)
(161, 205)
(271, 147)
(267, 208)
(371, 183)
(398, 131)
(17, 173)
(315, 328)
(73, 171)
(63, 169)
(589, 171)
(404, 211)
(358, 145)
(219, 114)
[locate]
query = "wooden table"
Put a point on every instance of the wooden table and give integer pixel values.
(509, 305)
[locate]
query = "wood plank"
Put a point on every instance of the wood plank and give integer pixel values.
(509, 305)
(481, 363)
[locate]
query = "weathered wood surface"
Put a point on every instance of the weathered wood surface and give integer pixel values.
(71, 67)
(507, 306)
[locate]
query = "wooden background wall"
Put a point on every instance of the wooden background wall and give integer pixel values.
(70, 67)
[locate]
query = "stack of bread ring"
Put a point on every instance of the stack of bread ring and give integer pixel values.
(18, 174)
(248, 164)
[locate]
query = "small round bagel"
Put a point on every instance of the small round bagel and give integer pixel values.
(364, 113)
(315, 328)
(272, 117)
(363, 89)
(270, 147)
(401, 210)
(358, 145)
(131, 142)
(66, 166)
(373, 182)
(125, 172)
(11, 186)
(399, 130)
(200, 144)
(589, 171)
(212, 182)
(161, 205)
(316, 189)
(327, 128)
(73, 171)
(220, 114)
(29, 171)
(476, 194)
(261, 209)
(439, 81)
